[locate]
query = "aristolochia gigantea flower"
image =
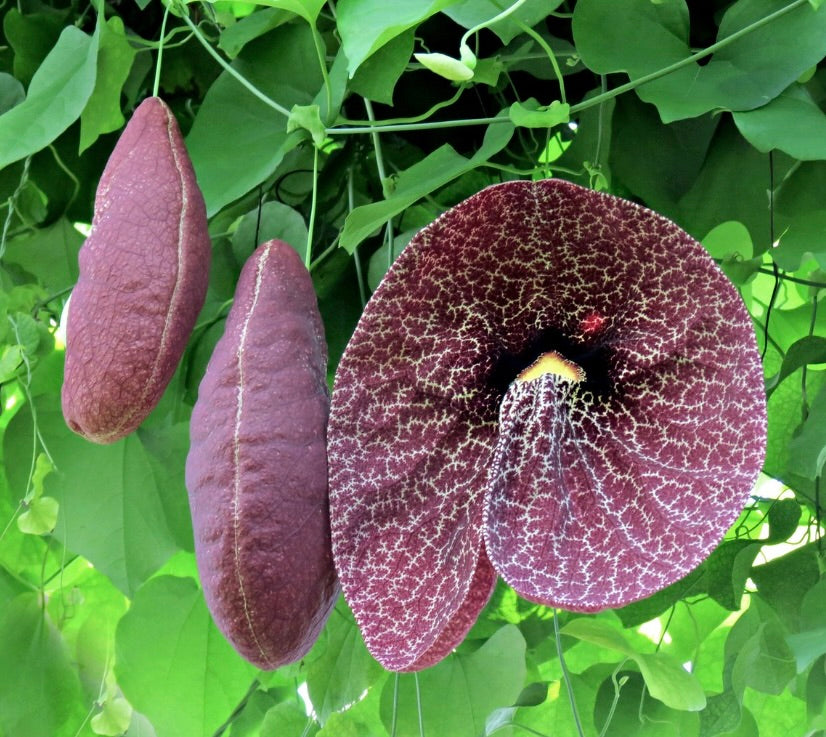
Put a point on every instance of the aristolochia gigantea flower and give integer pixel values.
(551, 384)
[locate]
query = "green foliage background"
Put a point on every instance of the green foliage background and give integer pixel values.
(312, 121)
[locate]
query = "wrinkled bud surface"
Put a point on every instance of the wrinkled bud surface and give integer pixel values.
(143, 278)
(257, 466)
(554, 378)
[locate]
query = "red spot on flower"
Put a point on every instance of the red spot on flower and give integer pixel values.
(592, 323)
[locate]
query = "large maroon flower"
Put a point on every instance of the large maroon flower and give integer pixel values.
(552, 380)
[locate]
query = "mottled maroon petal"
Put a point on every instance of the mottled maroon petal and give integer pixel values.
(602, 490)
(602, 497)
(481, 588)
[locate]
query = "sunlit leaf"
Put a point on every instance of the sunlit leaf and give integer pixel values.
(111, 510)
(172, 663)
(665, 678)
(807, 350)
(458, 694)
(39, 517)
(344, 670)
(39, 689)
(56, 97)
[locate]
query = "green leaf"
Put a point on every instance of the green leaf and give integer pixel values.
(598, 633)
(807, 350)
(807, 647)
(273, 220)
(380, 259)
(11, 91)
(731, 185)
(39, 690)
(172, 663)
(645, 610)
(42, 468)
(657, 162)
(344, 670)
(114, 718)
(166, 447)
(792, 123)
(741, 76)
(286, 719)
(377, 76)
(731, 243)
(532, 115)
(307, 9)
(432, 172)
(471, 13)
(785, 581)
(458, 694)
(552, 707)
(757, 653)
(729, 240)
(102, 113)
(307, 117)
(39, 517)
(727, 570)
(11, 360)
(235, 37)
(665, 678)
(777, 715)
(801, 240)
(784, 518)
(111, 511)
(669, 682)
(31, 35)
(49, 254)
(56, 97)
(230, 113)
(367, 25)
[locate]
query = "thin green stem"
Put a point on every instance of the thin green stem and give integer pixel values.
(617, 688)
(356, 258)
(239, 707)
(313, 203)
(566, 676)
(68, 172)
(395, 706)
(12, 204)
(419, 704)
(413, 119)
(374, 135)
(227, 67)
(786, 277)
(486, 24)
(551, 57)
(157, 85)
(322, 62)
(378, 126)
(804, 394)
